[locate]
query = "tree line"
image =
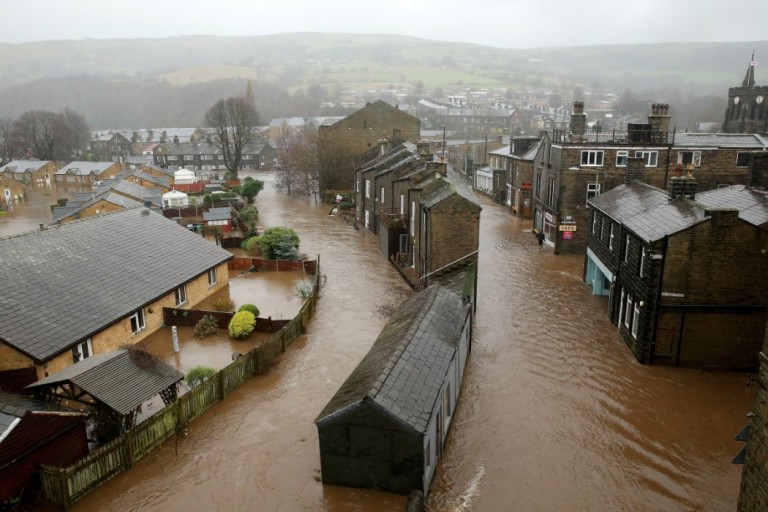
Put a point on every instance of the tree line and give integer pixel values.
(44, 135)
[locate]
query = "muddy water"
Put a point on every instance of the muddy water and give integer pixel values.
(554, 415)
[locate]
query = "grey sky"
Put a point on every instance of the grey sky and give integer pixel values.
(500, 23)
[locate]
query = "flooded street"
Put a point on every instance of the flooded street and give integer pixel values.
(554, 415)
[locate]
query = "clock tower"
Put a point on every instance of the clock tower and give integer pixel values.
(747, 111)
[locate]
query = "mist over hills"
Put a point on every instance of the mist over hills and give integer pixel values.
(171, 82)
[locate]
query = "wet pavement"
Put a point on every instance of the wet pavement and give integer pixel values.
(555, 414)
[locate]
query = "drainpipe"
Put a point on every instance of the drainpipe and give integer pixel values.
(655, 310)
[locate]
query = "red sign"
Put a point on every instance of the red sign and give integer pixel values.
(567, 235)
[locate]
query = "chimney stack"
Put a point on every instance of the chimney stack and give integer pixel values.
(659, 121)
(382, 146)
(758, 169)
(422, 149)
(578, 119)
(682, 186)
(635, 170)
(440, 167)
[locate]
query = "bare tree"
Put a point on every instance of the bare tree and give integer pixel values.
(36, 132)
(299, 163)
(230, 125)
(73, 134)
(7, 145)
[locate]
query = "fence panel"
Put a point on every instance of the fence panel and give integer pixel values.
(237, 372)
(200, 399)
(93, 470)
(156, 429)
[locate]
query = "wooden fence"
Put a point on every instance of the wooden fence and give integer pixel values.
(64, 486)
(245, 262)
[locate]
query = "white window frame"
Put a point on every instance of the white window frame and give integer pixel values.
(626, 250)
(621, 307)
(413, 218)
(641, 270)
(367, 219)
(635, 320)
(621, 158)
(402, 204)
(357, 184)
(695, 157)
(610, 239)
(594, 222)
(212, 278)
(628, 312)
(381, 195)
(592, 157)
(651, 157)
(138, 321)
(181, 295)
(593, 190)
(82, 350)
(367, 189)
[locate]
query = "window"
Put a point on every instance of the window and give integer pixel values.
(742, 159)
(621, 158)
(206, 157)
(171, 157)
(689, 157)
(551, 192)
(628, 311)
(367, 219)
(212, 277)
(138, 323)
(621, 307)
(626, 250)
(428, 454)
(181, 295)
(592, 158)
(641, 270)
(247, 157)
(651, 157)
(635, 320)
(610, 239)
(594, 223)
(367, 188)
(593, 190)
(413, 218)
(189, 158)
(381, 195)
(402, 204)
(447, 400)
(82, 350)
(357, 184)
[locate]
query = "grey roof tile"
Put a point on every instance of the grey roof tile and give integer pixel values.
(69, 281)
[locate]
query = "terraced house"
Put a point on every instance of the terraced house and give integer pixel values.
(94, 285)
(29, 171)
(575, 166)
(88, 172)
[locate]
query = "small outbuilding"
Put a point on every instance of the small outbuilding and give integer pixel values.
(175, 199)
(386, 426)
(184, 177)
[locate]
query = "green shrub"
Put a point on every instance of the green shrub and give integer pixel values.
(206, 326)
(242, 324)
(251, 246)
(224, 304)
(198, 374)
(279, 243)
(346, 206)
(250, 307)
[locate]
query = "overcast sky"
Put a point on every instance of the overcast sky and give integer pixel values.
(500, 23)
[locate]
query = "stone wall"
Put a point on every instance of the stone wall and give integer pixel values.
(754, 491)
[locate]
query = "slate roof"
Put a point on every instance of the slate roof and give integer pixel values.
(62, 212)
(84, 168)
(752, 204)
(406, 367)
(70, 281)
(449, 185)
(24, 165)
(648, 211)
(132, 190)
(121, 380)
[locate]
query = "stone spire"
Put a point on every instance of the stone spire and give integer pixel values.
(749, 77)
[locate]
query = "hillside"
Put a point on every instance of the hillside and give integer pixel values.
(52, 75)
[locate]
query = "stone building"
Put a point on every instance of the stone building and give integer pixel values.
(516, 161)
(747, 111)
(29, 171)
(347, 144)
(426, 217)
(571, 168)
(681, 270)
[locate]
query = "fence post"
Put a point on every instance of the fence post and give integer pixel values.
(128, 441)
(180, 411)
(220, 384)
(64, 489)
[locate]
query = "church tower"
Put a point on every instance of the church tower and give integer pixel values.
(747, 111)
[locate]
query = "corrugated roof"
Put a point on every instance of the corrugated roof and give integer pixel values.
(69, 281)
(223, 213)
(648, 211)
(406, 367)
(121, 380)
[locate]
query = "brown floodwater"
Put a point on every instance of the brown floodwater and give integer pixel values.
(555, 414)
